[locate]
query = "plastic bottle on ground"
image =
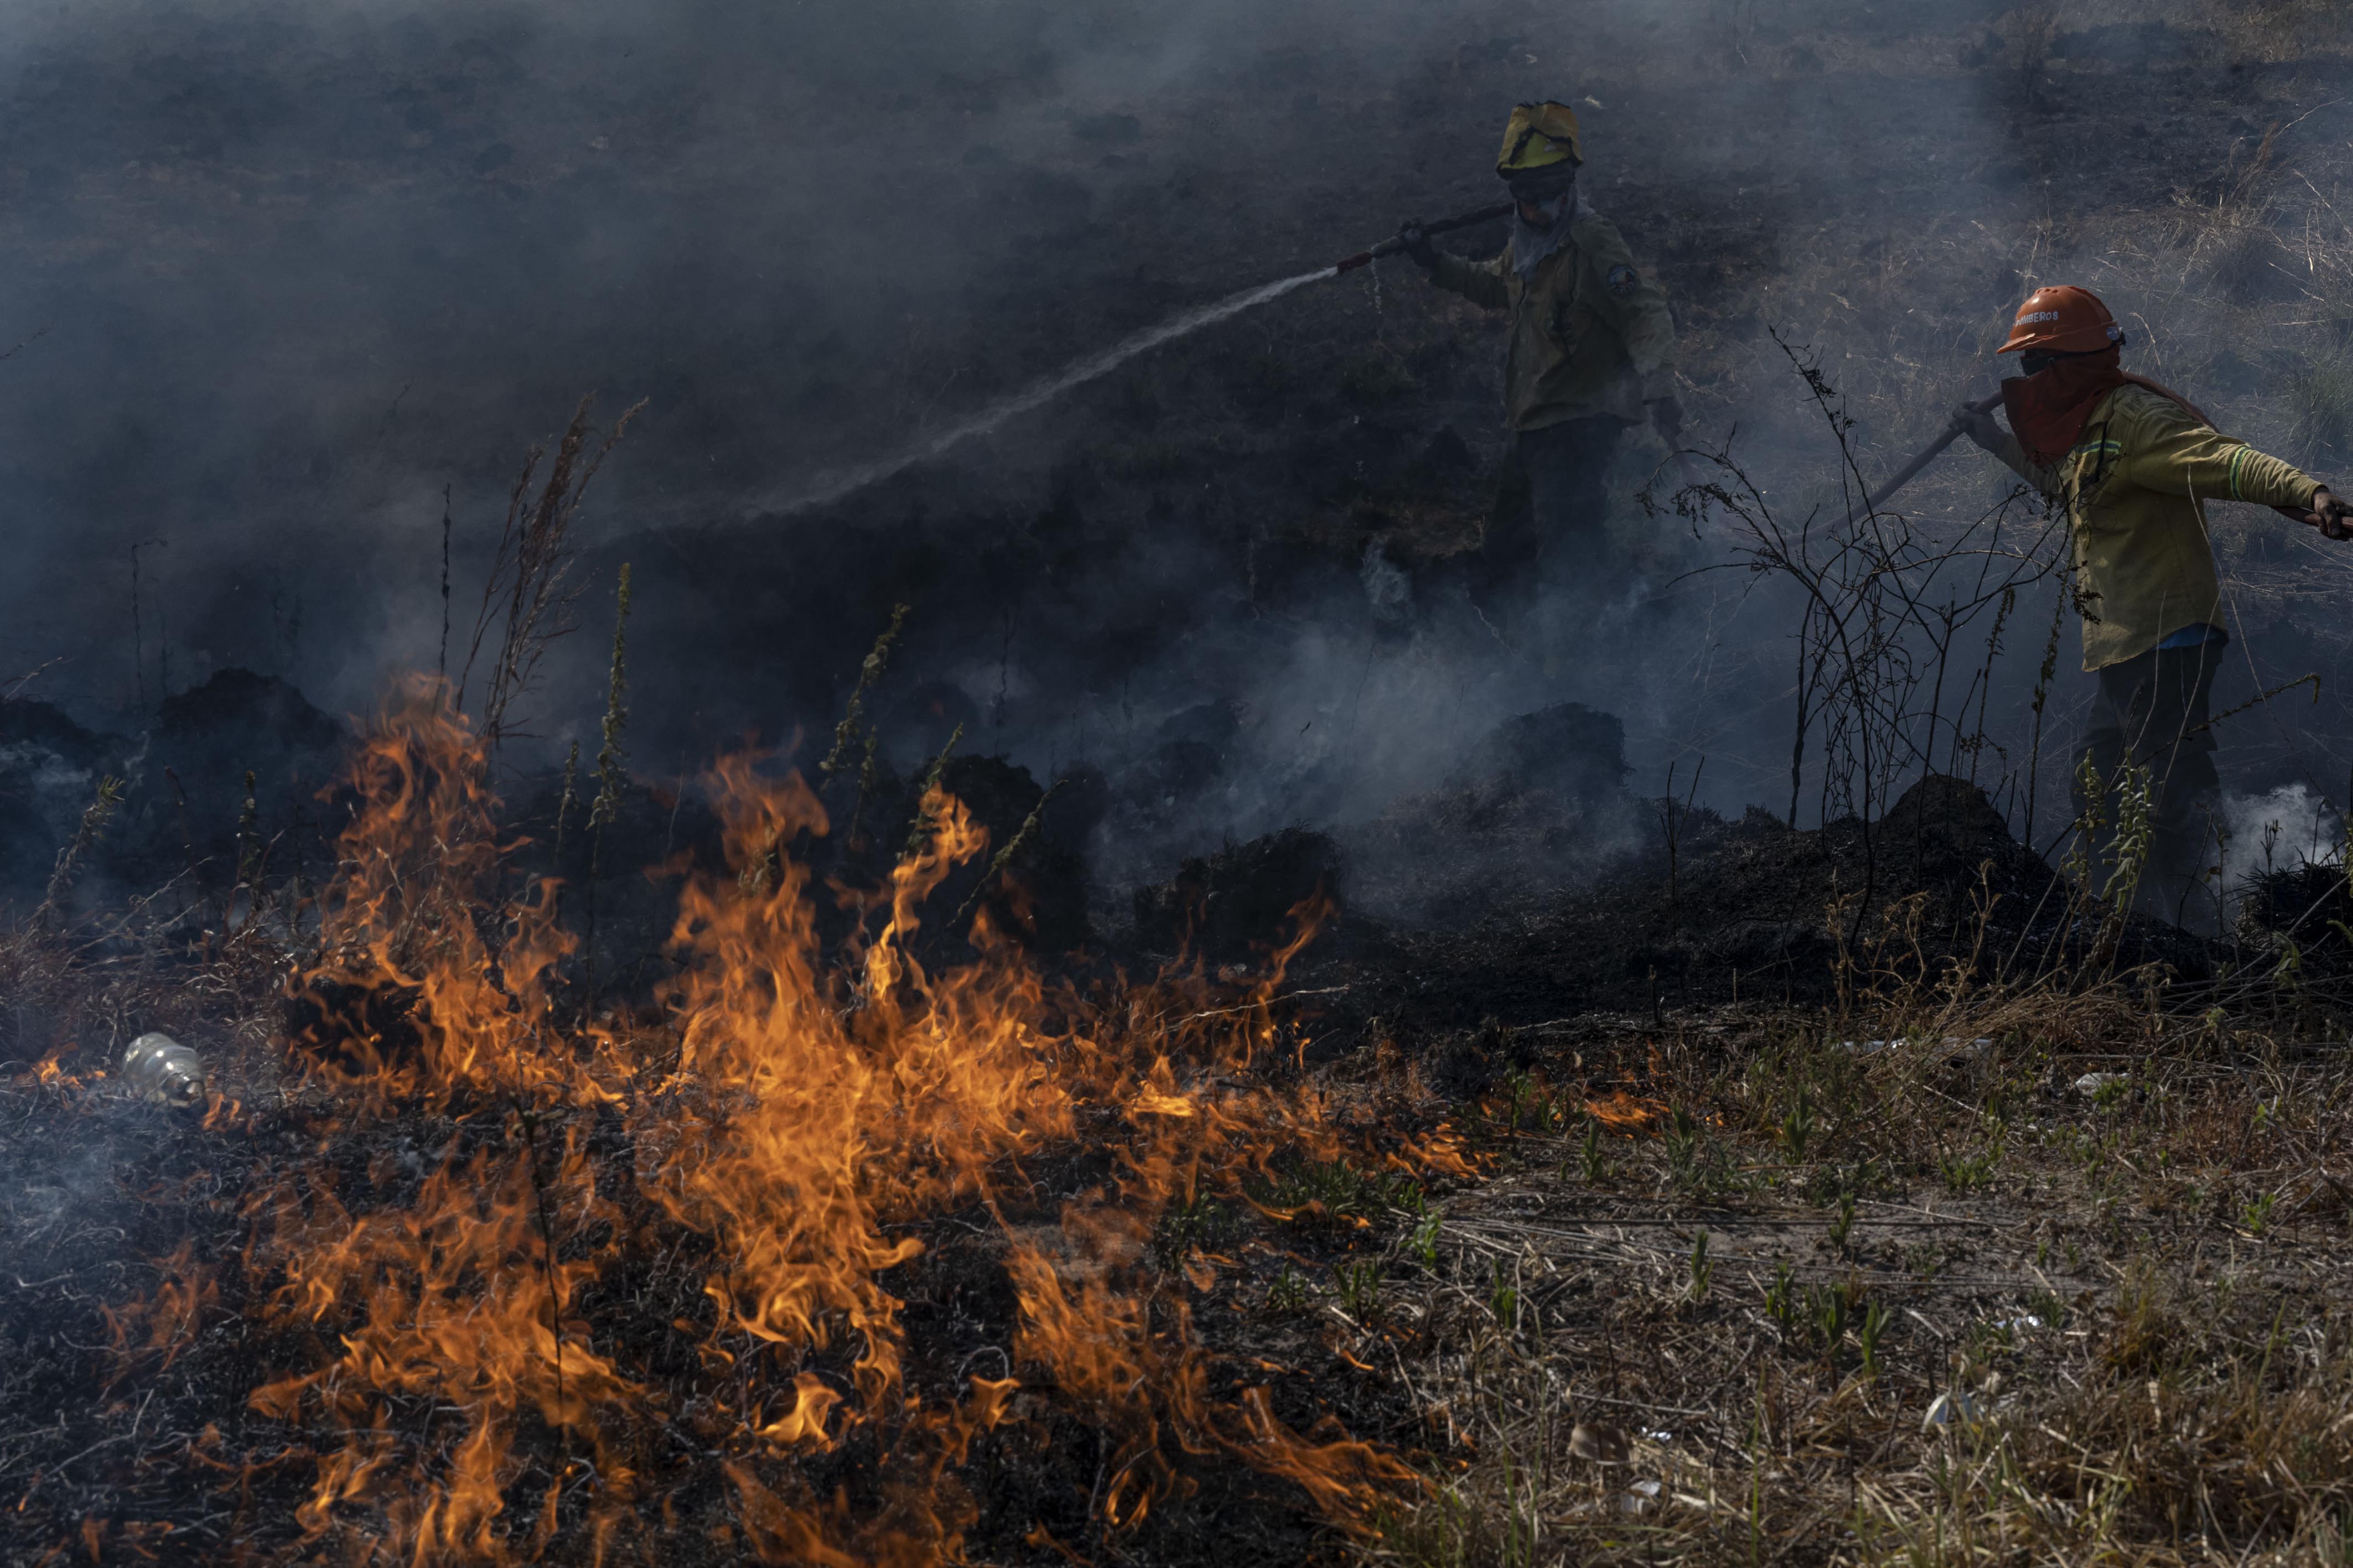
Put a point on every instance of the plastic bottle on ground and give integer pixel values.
(157, 1067)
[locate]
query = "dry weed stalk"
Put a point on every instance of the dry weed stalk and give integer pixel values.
(926, 823)
(606, 809)
(526, 594)
(848, 734)
(87, 832)
(1023, 837)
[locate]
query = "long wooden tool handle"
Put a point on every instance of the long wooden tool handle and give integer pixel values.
(1909, 471)
(1443, 226)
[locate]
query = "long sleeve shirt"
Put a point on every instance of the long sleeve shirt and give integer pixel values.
(1591, 333)
(2134, 489)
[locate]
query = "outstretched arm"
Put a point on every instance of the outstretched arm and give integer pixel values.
(2180, 457)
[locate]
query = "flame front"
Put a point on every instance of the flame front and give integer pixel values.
(786, 1130)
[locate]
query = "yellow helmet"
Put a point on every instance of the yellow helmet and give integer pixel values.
(1539, 136)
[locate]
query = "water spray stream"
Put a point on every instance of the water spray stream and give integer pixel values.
(836, 486)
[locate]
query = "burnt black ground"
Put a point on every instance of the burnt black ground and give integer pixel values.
(1757, 912)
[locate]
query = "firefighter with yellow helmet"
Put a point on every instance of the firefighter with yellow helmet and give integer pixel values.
(2133, 465)
(1591, 348)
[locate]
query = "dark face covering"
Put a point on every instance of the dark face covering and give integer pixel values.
(2048, 409)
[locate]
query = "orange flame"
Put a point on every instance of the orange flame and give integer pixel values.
(48, 1072)
(798, 1116)
(1624, 1112)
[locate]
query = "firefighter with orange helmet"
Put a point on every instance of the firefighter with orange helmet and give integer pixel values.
(2133, 463)
(1592, 350)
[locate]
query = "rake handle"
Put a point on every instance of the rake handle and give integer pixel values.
(1909, 471)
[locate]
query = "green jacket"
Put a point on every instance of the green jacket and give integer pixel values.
(2135, 488)
(1590, 332)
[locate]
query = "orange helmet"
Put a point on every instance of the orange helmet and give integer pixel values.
(2062, 320)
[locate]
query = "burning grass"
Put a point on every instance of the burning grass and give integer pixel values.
(800, 1260)
(846, 1245)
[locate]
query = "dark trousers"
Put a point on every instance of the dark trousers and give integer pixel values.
(1551, 513)
(2152, 712)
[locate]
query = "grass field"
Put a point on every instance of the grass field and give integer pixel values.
(2071, 1290)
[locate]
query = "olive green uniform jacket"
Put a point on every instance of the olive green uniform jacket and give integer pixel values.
(2136, 488)
(1590, 332)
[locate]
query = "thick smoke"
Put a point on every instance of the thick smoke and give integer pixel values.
(288, 272)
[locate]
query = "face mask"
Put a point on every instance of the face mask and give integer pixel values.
(1548, 207)
(1533, 241)
(2048, 410)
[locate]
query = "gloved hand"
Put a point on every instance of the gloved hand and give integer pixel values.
(1667, 419)
(1981, 427)
(2331, 515)
(1415, 241)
